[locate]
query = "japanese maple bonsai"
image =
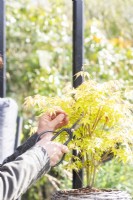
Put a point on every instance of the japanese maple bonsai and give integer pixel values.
(106, 126)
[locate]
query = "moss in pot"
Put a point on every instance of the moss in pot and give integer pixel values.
(106, 129)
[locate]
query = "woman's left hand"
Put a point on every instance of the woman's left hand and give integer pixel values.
(49, 122)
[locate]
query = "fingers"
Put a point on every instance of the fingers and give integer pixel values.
(57, 112)
(53, 161)
(59, 148)
(59, 121)
(52, 122)
(55, 150)
(64, 149)
(58, 153)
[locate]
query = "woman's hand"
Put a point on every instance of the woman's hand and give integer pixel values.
(49, 122)
(55, 150)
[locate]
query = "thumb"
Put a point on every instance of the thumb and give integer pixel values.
(57, 120)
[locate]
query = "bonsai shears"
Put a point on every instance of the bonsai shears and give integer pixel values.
(68, 131)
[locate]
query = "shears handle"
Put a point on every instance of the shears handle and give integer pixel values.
(68, 131)
(70, 134)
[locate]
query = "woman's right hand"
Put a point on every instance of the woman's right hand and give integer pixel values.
(55, 150)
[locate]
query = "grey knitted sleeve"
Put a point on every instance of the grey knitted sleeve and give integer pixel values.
(30, 142)
(17, 176)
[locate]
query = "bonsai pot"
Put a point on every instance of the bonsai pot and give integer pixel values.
(91, 194)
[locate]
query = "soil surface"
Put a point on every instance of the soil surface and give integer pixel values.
(85, 190)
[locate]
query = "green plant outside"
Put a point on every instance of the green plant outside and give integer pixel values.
(114, 175)
(105, 119)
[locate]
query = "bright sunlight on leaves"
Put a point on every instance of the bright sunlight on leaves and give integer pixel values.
(107, 123)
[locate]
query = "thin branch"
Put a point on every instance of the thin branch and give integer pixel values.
(94, 175)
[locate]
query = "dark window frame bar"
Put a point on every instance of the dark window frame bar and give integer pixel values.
(78, 54)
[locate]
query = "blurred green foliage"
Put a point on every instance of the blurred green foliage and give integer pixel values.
(39, 60)
(114, 175)
(38, 49)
